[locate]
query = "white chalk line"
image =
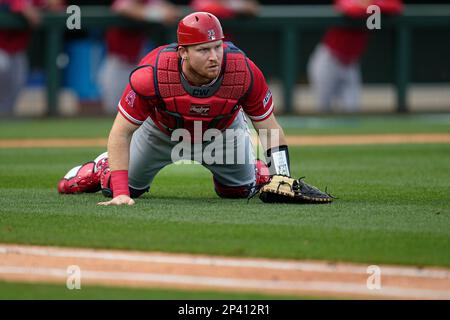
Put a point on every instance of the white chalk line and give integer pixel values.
(218, 282)
(294, 139)
(223, 262)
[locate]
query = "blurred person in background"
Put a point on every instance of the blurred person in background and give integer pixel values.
(125, 46)
(227, 9)
(333, 69)
(13, 46)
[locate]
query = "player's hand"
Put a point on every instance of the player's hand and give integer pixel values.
(171, 14)
(32, 15)
(250, 8)
(118, 201)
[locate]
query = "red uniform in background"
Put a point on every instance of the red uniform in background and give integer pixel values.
(333, 69)
(217, 8)
(127, 43)
(13, 45)
(358, 8)
(125, 46)
(13, 41)
(349, 44)
(227, 9)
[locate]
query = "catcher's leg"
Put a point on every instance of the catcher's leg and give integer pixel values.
(262, 176)
(231, 192)
(85, 177)
(262, 173)
(13, 71)
(236, 179)
(350, 93)
(323, 74)
(91, 177)
(116, 68)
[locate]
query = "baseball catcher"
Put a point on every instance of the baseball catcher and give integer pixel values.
(190, 100)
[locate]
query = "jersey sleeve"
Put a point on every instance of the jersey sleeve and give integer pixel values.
(133, 107)
(18, 5)
(258, 103)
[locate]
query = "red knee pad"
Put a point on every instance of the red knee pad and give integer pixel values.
(84, 178)
(224, 191)
(262, 173)
(80, 179)
(105, 179)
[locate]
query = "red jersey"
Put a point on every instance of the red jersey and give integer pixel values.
(358, 8)
(13, 41)
(139, 100)
(216, 8)
(123, 42)
(346, 44)
(221, 9)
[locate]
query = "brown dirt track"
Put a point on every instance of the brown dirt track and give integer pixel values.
(182, 271)
(292, 140)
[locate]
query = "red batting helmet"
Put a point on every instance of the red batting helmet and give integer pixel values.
(199, 27)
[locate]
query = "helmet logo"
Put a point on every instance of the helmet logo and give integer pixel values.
(211, 34)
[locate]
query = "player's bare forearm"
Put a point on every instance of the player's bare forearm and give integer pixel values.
(161, 12)
(118, 155)
(244, 7)
(130, 9)
(32, 15)
(55, 5)
(119, 143)
(270, 133)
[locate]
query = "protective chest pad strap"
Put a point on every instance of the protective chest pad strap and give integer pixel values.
(234, 83)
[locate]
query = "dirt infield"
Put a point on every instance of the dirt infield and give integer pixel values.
(195, 272)
(304, 140)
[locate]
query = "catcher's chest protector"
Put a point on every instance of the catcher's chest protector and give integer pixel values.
(215, 106)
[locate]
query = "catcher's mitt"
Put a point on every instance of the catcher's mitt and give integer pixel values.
(288, 190)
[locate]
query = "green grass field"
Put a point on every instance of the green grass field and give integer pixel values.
(99, 127)
(31, 291)
(393, 206)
